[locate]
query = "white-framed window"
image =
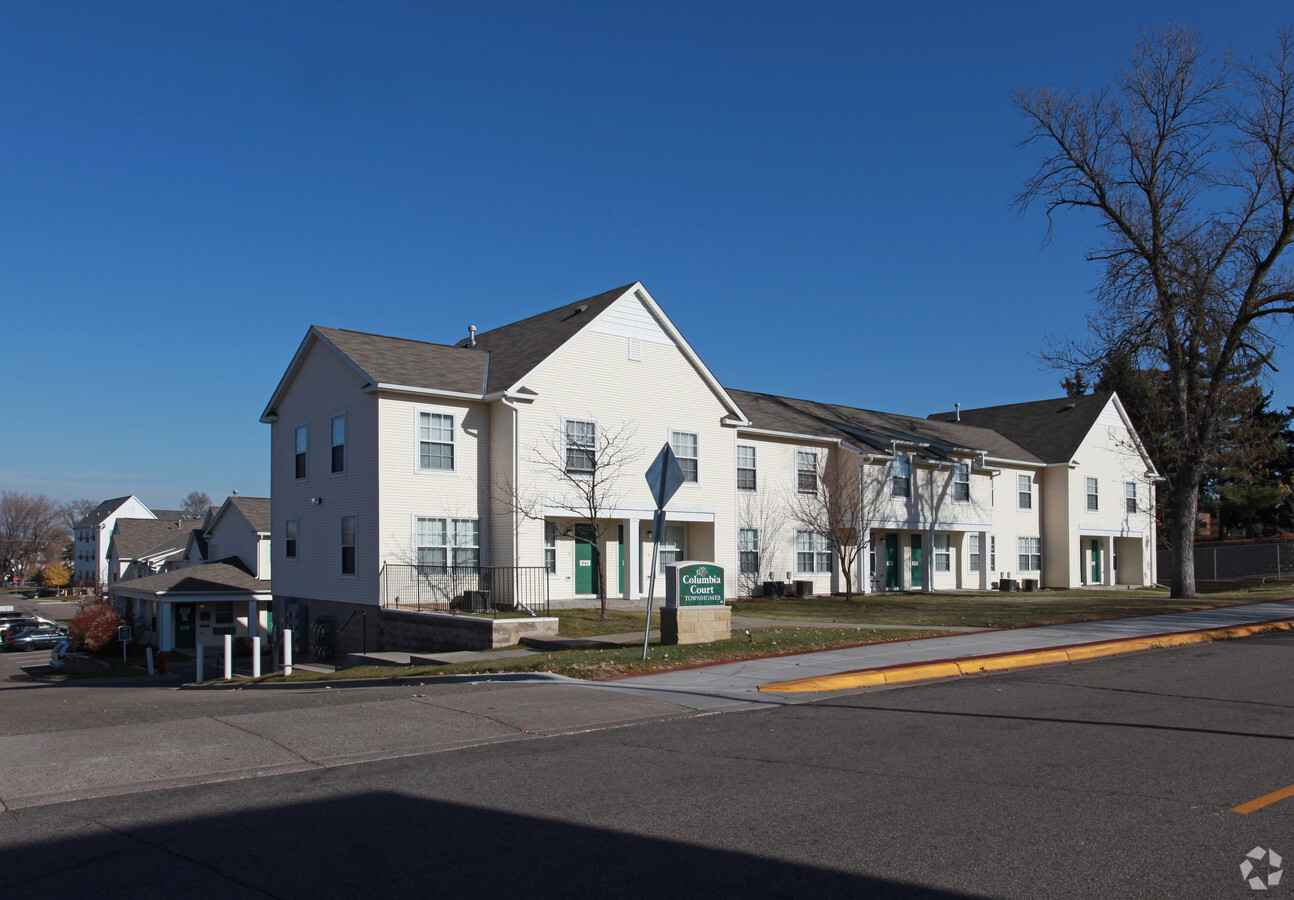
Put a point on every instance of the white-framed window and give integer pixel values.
(671, 546)
(746, 480)
(550, 547)
(581, 445)
(443, 542)
(301, 459)
(748, 550)
(1093, 497)
(806, 471)
(1130, 496)
(961, 482)
(974, 556)
(901, 477)
(435, 442)
(1024, 488)
(812, 553)
(992, 552)
(943, 553)
(349, 526)
(291, 528)
(685, 444)
(338, 456)
(1030, 553)
(223, 618)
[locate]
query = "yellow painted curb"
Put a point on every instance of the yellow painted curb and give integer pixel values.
(975, 665)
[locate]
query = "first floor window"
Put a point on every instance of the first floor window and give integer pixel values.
(1093, 500)
(1024, 487)
(812, 552)
(440, 543)
(671, 546)
(1030, 553)
(1130, 495)
(685, 448)
(806, 471)
(550, 547)
(975, 557)
(581, 446)
(436, 441)
(348, 545)
(992, 552)
(745, 468)
(748, 550)
(223, 623)
(943, 553)
(290, 528)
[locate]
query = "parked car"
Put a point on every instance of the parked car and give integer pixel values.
(44, 637)
(13, 626)
(58, 655)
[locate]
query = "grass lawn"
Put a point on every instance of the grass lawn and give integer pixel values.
(585, 622)
(627, 659)
(995, 610)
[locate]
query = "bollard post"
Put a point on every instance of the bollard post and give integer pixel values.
(287, 651)
(256, 656)
(148, 652)
(201, 648)
(229, 656)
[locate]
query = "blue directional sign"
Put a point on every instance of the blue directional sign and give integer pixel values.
(664, 476)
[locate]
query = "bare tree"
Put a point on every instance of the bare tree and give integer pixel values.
(584, 466)
(756, 512)
(75, 510)
(195, 504)
(1188, 165)
(841, 510)
(31, 532)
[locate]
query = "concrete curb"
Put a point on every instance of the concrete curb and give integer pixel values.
(946, 668)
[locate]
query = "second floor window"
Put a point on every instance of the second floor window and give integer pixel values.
(1130, 496)
(745, 468)
(581, 446)
(806, 471)
(338, 444)
(685, 448)
(1024, 487)
(302, 451)
(961, 482)
(1093, 500)
(901, 477)
(436, 441)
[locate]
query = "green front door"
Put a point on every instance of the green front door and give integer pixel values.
(586, 574)
(185, 626)
(892, 561)
(1096, 561)
(916, 562)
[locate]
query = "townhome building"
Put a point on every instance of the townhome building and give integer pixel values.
(90, 537)
(394, 455)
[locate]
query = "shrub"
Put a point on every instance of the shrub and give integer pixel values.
(95, 625)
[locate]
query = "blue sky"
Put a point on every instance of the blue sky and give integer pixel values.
(818, 194)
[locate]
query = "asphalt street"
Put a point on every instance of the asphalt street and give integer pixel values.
(1111, 778)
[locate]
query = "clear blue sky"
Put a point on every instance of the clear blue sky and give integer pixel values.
(817, 194)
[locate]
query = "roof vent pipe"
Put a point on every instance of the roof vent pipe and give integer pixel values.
(471, 335)
(957, 416)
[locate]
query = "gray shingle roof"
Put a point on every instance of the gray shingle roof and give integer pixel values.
(256, 510)
(399, 361)
(137, 538)
(518, 348)
(871, 429)
(101, 512)
(228, 576)
(1051, 429)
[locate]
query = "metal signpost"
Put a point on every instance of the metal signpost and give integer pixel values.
(664, 477)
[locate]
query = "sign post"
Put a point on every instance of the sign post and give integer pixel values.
(664, 477)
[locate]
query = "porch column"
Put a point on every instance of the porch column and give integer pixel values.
(166, 627)
(253, 618)
(865, 563)
(1107, 561)
(633, 575)
(985, 572)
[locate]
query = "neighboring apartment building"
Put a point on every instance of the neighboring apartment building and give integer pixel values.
(91, 535)
(190, 602)
(390, 452)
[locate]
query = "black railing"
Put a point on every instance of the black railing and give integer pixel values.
(483, 590)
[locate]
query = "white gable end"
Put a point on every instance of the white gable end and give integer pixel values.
(628, 317)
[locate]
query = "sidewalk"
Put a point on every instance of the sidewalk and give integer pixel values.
(765, 681)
